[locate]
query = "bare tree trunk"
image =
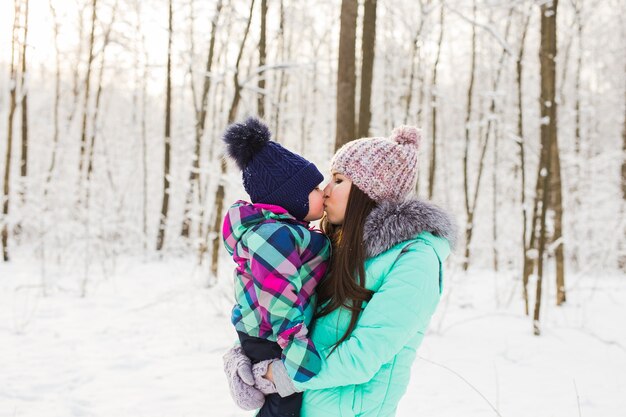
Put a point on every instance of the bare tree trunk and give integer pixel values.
(232, 113)
(76, 70)
(83, 134)
(415, 49)
(141, 80)
(220, 194)
(415, 52)
(547, 57)
(57, 100)
(389, 122)
(469, 227)
(494, 203)
(24, 96)
(94, 116)
(194, 177)
(9, 150)
(281, 74)
(527, 262)
(621, 261)
(409, 94)
(557, 205)
(556, 187)
(346, 75)
(367, 68)
(623, 150)
(195, 182)
(262, 59)
(492, 128)
(471, 206)
(305, 99)
(285, 93)
(433, 160)
(168, 122)
(578, 138)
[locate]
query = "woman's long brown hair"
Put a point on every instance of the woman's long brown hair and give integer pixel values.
(344, 285)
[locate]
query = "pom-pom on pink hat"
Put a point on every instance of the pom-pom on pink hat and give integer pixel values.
(383, 168)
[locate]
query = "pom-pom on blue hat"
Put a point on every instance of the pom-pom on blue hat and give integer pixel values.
(271, 174)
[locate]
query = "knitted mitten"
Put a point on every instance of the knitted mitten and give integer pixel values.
(238, 369)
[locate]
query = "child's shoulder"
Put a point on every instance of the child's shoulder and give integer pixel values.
(296, 232)
(276, 230)
(317, 234)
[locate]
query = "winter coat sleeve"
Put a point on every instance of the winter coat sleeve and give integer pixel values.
(401, 308)
(277, 267)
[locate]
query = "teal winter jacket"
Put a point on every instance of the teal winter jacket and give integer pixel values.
(368, 373)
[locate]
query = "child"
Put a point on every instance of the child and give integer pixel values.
(279, 258)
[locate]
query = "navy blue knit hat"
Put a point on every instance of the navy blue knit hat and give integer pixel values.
(271, 174)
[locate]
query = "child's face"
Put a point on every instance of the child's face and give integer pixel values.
(316, 205)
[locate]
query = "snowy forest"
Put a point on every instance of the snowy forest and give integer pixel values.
(115, 288)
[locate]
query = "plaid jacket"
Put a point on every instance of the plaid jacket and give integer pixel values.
(280, 261)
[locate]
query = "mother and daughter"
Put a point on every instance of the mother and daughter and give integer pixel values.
(329, 321)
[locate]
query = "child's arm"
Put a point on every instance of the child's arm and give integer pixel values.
(275, 264)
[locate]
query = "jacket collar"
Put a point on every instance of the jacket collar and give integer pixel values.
(393, 222)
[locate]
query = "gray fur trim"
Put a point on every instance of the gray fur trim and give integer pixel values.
(391, 223)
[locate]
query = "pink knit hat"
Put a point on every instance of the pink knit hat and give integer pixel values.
(383, 168)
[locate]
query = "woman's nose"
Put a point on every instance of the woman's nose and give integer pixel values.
(326, 190)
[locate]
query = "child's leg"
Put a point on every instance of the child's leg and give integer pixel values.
(277, 406)
(259, 349)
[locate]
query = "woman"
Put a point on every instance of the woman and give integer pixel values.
(384, 283)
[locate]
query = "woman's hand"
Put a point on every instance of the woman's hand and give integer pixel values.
(269, 375)
(263, 379)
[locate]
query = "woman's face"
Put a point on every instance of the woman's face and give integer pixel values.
(336, 198)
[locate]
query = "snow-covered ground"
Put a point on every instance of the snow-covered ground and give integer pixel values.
(147, 341)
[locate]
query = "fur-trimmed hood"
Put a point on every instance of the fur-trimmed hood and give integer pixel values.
(391, 223)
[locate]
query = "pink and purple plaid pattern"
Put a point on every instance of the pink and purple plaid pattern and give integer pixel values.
(280, 261)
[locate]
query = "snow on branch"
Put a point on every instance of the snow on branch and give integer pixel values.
(484, 26)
